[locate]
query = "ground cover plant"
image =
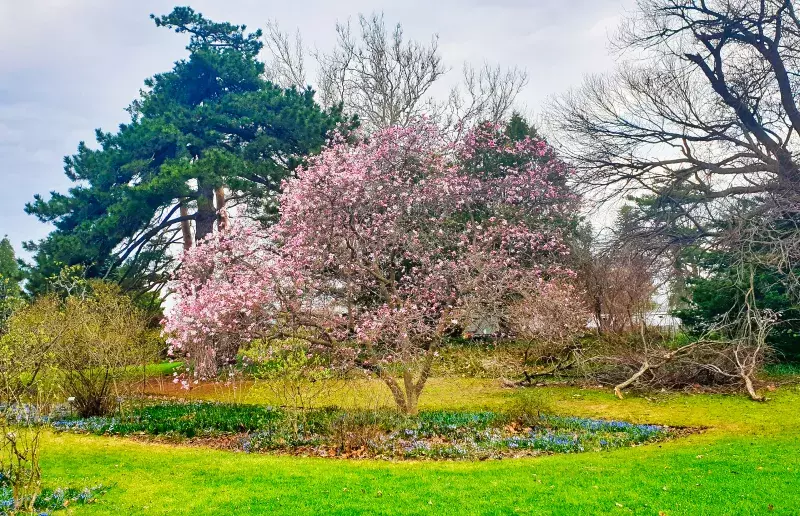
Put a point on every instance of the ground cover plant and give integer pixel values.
(49, 500)
(445, 434)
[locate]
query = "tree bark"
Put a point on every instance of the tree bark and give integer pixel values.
(222, 212)
(206, 214)
(397, 393)
(186, 228)
(618, 388)
(751, 390)
(407, 397)
(411, 393)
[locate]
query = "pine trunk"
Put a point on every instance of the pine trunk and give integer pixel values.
(186, 228)
(222, 213)
(206, 214)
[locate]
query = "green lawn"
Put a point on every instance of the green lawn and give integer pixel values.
(439, 393)
(747, 462)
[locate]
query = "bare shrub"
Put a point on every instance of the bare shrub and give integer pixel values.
(529, 405)
(548, 322)
(617, 275)
(105, 336)
(85, 343)
(731, 353)
(355, 432)
(25, 358)
(294, 375)
(19, 454)
(30, 345)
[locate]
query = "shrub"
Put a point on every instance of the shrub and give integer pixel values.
(295, 375)
(85, 342)
(529, 405)
(27, 354)
(104, 334)
(29, 347)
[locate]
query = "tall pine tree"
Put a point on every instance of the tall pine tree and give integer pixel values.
(207, 135)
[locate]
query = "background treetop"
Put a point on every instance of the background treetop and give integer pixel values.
(206, 33)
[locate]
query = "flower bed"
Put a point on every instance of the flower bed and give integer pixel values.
(50, 499)
(334, 432)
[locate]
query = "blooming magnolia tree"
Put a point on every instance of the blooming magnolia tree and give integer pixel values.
(383, 248)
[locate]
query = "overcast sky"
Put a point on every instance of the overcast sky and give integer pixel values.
(70, 66)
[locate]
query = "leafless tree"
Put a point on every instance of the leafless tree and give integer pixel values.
(287, 64)
(618, 275)
(620, 288)
(378, 74)
(386, 80)
(703, 116)
(488, 93)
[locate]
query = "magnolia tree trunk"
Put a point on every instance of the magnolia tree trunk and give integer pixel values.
(211, 360)
(407, 396)
(205, 363)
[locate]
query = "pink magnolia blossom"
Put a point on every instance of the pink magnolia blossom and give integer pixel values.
(383, 247)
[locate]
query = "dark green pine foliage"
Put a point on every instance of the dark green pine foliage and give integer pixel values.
(212, 121)
(720, 288)
(517, 128)
(487, 162)
(9, 267)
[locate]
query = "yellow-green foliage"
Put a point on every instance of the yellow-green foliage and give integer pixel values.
(29, 347)
(289, 372)
(481, 360)
(83, 343)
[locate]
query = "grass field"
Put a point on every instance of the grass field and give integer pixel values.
(746, 462)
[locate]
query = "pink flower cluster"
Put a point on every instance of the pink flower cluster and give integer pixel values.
(382, 247)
